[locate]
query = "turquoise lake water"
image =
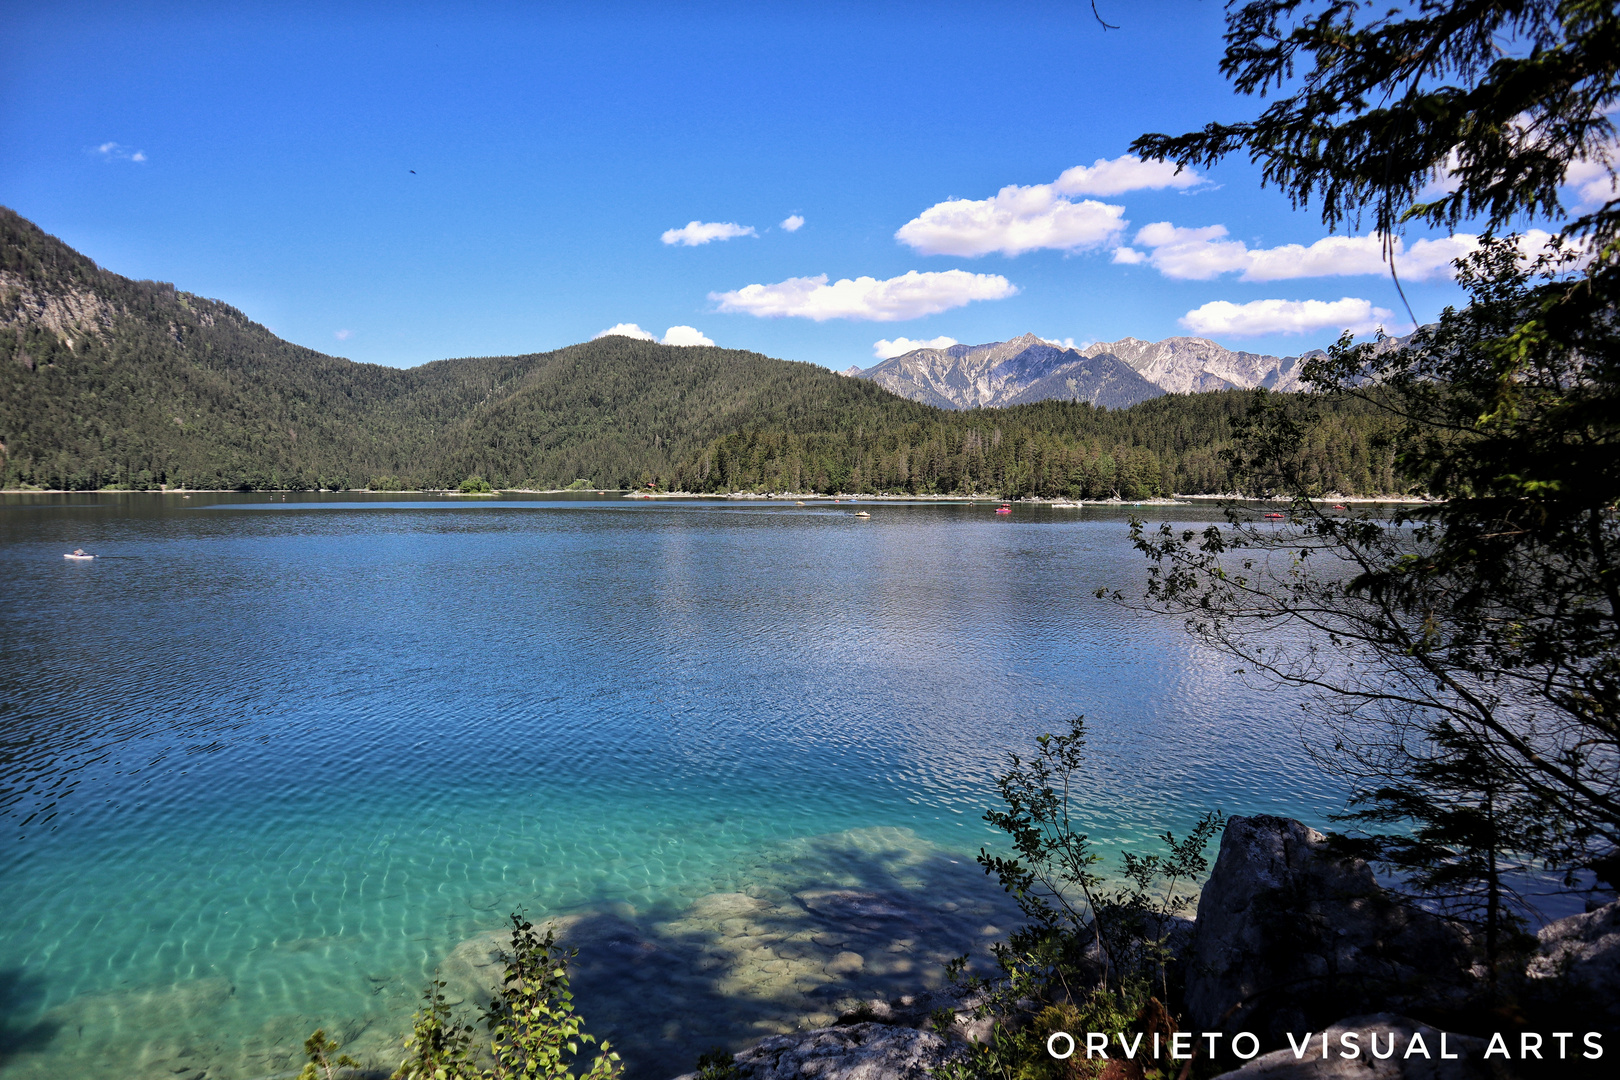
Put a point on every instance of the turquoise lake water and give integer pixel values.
(268, 764)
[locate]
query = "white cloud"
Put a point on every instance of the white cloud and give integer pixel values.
(886, 349)
(675, 335)
(684, 335)
(694, 233)
(1224, 318)
(1127, 173)
(909, 296)
(1205, 253)
(792, 223)
(342, 335)
(112, 151)
(1594, 183)
(1064, 343)
(624, 329)
(1016, 220)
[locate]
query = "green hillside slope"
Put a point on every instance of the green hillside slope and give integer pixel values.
(106, 381)
(109, 382)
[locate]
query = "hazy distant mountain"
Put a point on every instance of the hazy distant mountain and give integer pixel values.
(1111, 373)
(1010, 373)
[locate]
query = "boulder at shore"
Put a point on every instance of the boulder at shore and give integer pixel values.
(1580, 957)
(1394, 1035)
(1290, 938)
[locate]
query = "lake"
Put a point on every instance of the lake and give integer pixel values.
(269, 763)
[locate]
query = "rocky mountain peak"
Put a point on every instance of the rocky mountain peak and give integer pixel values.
(1113, 373)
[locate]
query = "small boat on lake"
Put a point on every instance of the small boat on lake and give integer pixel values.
(78, 553)
(1003, 509)
(1276, 515)
(862, 513)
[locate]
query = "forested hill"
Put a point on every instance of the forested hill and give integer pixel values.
(106, 381)
(109, 382)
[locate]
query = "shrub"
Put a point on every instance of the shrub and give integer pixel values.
(1093, 951)
(534, 1032)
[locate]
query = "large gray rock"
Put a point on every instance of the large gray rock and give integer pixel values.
(1311, 1065)
(1290, 937)
(1581, 955)
(869, 1051)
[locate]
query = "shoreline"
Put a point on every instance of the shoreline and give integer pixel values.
(304, 491)
(807, 497)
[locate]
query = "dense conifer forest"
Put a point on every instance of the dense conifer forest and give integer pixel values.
(106, 382)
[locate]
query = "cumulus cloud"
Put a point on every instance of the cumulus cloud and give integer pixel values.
(1127, 173)
(111, 151)
(1594, 183)
(886, 349)
(1205, 253)
(675, 335)
(1015, 220)
(624, 329)
(1063, 343)
(792, 223)
(909, 296)
(1028, 218)
(684, 335)
(1224, 318)
(694, 233)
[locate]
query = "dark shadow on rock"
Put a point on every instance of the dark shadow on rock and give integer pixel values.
(20, 997)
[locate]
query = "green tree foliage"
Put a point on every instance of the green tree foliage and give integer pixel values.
(1095, 949)
(322, 1065)
(1466, 655)
(1049, 449)
(535, 1034)
(1461, 825)
(474, 485)
(440, 1046)
(1499, 97)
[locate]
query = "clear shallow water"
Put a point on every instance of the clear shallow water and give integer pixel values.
(266, 763)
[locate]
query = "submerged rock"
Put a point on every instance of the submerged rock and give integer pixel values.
(1395, 1036)
(1290, 936)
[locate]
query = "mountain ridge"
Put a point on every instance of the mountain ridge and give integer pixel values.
(1115, 374)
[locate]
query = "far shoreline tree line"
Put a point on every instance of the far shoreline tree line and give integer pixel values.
(1176, 444)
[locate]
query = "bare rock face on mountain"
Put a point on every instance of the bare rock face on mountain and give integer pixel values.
(1185, 365)
(1113, 374)
(1024, 369)
(1290, 937)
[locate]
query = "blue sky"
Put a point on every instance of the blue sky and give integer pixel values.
(264, 156)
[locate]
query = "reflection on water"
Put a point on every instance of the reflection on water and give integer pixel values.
(265, 767)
